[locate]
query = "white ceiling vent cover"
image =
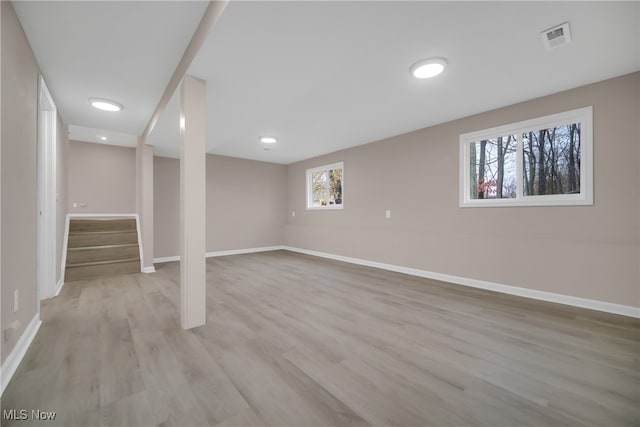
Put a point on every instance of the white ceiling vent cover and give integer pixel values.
(556, 36)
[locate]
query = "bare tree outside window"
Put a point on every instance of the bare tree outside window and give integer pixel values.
(325, 187)
(493, 168)
(545, 161)
(552, 160)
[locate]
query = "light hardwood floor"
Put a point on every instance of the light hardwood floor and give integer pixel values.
(293, 340)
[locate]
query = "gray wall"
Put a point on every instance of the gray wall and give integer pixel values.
(18, 169)
(246, 204)
(584, 251)
(103, 177)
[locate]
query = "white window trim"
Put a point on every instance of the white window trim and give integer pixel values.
(309, 172)
(582, 115)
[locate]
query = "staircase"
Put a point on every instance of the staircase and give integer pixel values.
(99, 247)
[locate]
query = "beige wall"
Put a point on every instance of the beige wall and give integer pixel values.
(166, 207)
(583, 251)
(103, 177)
(18, 169)
(246, 204)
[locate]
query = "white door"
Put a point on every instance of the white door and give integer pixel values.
(47, 121)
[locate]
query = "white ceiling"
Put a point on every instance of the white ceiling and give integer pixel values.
(124, 51)
(322, 76)
(102, 136)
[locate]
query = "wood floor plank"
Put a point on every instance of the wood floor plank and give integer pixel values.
(246, 418)
(119, 371)
(294, 340)
(132, 410)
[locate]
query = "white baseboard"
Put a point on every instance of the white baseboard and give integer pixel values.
(101, 215)
(14, 358)
(244, 251)
(59, 285)
(607, 307)
(149, 269)
(223, 253)
(166, 259)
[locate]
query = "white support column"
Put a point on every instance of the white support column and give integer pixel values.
(144, 202)
(147, 208)
(192, 202)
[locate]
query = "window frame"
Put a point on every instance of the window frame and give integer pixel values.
(584, 116)
(309, 173)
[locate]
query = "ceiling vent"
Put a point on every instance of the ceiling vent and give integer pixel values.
(556, 36)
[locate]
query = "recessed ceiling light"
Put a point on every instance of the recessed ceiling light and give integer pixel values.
(268, 139)
(105, 104)
(102, 137)
(427, 68)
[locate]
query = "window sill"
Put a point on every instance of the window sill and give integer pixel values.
(325, 208)
(579, 200)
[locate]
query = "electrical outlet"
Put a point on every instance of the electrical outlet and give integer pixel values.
(10, 331)
(16, 303)
(387, 214)
(293, 213)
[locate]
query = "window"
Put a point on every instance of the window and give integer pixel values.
(540, 162)
(325, 186)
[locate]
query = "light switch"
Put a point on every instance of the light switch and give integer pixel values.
(387, 214)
